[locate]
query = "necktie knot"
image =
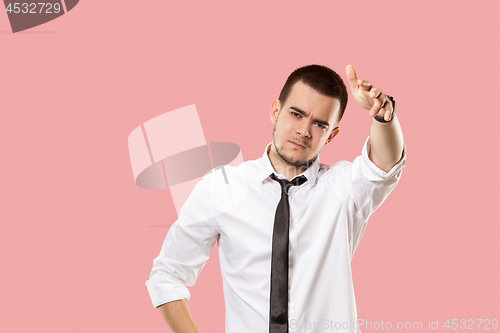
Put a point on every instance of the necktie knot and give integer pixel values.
(286, 184)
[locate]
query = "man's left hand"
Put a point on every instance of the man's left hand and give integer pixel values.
(368, 96)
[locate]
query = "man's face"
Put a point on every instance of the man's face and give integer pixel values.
(302, 126)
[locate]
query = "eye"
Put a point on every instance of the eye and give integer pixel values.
(322, 126)
(296, 114)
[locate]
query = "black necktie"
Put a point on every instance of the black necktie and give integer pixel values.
(278, 312)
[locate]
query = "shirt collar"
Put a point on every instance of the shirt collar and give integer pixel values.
(267, 168)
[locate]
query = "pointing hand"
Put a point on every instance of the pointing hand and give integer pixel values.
(368, 96)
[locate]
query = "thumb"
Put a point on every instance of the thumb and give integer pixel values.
(351, 76)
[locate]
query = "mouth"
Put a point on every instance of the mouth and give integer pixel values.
(295, 144)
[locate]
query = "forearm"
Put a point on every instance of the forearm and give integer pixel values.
(386, 140)
(178, 317)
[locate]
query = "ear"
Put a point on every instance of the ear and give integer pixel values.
(334, 133)
(275, 109)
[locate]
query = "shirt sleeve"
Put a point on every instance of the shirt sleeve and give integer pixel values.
(186, 248)
(370, 186)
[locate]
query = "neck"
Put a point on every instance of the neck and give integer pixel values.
(286, 169)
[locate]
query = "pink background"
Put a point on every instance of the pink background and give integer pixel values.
(78, 236)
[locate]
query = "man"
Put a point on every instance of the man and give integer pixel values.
(255, 213)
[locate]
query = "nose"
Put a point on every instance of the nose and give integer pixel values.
(304, 130)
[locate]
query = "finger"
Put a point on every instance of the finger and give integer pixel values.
(388, 106)
(385, 110)
(364, 85)
(351, 76)
(377, 105)
(388, 115)
(376, 93)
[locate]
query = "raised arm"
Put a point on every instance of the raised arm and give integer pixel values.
(386, 139)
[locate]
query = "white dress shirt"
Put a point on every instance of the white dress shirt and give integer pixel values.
(235, 206)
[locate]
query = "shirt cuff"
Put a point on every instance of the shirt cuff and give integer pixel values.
(163, 289)
(378, 173)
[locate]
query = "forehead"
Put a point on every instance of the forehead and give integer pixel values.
(309, 100)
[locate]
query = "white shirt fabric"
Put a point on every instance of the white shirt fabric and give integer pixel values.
(236, 206)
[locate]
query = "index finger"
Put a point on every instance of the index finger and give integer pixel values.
(351, 76)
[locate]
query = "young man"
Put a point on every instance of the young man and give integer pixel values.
(286, 225)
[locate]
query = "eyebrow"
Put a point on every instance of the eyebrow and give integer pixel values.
(306, 115)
